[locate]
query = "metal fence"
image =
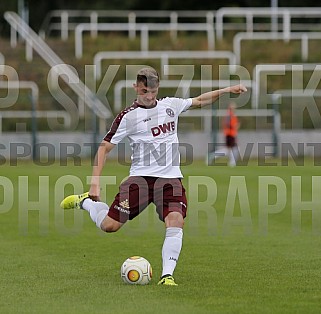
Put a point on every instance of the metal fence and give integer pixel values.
(284, 19)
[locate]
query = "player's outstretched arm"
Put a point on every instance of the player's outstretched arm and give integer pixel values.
(210, 97)
(100, 159)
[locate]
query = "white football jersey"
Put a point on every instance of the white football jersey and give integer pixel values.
(152, 134)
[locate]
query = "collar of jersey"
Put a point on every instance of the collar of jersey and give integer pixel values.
(142, 106)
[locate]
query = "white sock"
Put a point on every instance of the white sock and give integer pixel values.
(97, 210)
(171, 249)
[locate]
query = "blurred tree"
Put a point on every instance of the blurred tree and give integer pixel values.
(39, 8)
(6, 6)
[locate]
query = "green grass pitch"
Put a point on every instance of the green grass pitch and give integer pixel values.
(251, 243)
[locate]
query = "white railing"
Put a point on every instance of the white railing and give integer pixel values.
(303, 37)
(32, 86)
(249, 14)
(301, 102)
(144, 30)
(163, 56)
(207, 115)
(34, 90)
(280, 69)
(35, 42)
(48, 114)
(66, 19)
(2, 59)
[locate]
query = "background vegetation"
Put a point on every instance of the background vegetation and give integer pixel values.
(39, 8)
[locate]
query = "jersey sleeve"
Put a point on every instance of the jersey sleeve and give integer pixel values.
(187, 103)
(181, 104)
(118, 130)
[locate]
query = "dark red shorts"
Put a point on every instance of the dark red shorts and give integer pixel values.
(230, 141)
(136, 193)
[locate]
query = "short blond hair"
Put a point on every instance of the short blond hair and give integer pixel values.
(148, 76)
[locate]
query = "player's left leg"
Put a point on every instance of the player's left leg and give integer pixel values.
(172, 246)
(98, 212)
(172, 209)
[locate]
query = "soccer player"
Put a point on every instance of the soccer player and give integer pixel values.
(151, 128)
(231, 126)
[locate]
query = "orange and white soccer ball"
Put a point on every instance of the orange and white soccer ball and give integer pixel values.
(136, 270)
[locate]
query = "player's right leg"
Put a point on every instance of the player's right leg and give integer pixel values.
(98, 211)
(110, 225)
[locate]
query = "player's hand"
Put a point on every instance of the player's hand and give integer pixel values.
(238, 89)
(94, 193)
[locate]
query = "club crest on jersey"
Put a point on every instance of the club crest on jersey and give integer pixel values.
(170, 112)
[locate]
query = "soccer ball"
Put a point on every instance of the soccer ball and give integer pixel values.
(136, 270)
